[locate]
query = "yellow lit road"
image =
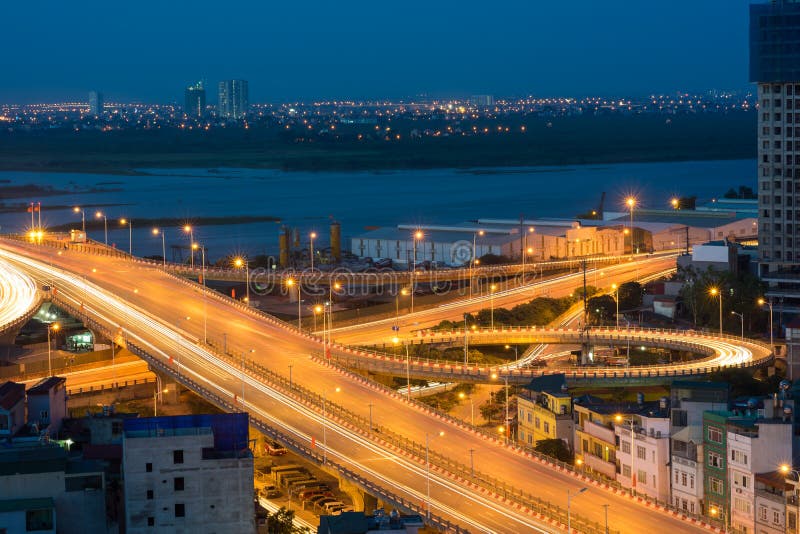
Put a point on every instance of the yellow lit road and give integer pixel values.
(168, 318)
(18, 296)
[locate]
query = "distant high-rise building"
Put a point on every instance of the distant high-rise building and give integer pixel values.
(195, 100)
(232, 99)
(481, 100)
(95, 103)
(775, 67)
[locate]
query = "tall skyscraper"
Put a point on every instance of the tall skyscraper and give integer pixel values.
(775, 67)
(195, 100)
(95, 103)
(233, 99)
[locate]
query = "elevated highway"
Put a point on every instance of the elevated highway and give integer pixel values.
(19, 301)
(266, 368)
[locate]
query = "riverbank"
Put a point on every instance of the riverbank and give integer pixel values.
(556, 141)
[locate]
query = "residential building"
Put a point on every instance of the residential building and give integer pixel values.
(191, 472)
(643, 455)
(715, 469)
(595, 441)
(233, 99)
(688, 401)
(41, 486)
(195, 100)
(545, 411)
(12, 408)
(96, 103)
(775, 67)
(771, 495)
(754, 446)
(47, 404)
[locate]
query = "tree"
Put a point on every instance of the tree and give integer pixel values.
(281, 522)
(554, 448)
(601, 309)
(630, 295)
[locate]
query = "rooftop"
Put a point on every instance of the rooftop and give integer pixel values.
(43, 386)
(10, 394)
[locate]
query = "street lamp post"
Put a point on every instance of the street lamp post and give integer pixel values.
(78, 209)
(417, 235)
(202, 248)
(396, 340)
(428, 470)
(189, 230)
(616, 300)
(516, 352)
(102, 215)
(631, 202)
(605, 506)
(741, 317)
(491, 300)
(507, 424)
(474, 258)
(243, 262)
(717, 292)
(128, 222)
(403, 292)
(157, 231)
(54, 327)
(761, 302)
(313, 236)
(570, 496)
(462, 395)
(289, 283)
(525, 251)
(325, 424)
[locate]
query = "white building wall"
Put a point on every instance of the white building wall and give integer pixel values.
(648, 459)
(217, 494)
(687, 483)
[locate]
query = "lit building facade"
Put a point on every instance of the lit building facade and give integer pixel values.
(195, 100)
(233, 99)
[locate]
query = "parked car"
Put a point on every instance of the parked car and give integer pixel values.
(275, 449)
(270, 491)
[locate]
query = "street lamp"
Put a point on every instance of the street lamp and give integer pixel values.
(716, 292)
(631, 203)
(202, 248)
(462, 396)
(78, 209)
(491, 300)
(157, 231)
(474, 260)
(189, 230)
(403, 292)
(428, 469)
(740, 316)
(616, 300)
(396, 341)
(525, 251)
(55, 327)
(102, 215)
(505, 381)
(761, 302)
(289, 283)
(570, 496)
(325, 424)
(239, 263)
(675, 203)
(128, 222)
(417, 236)
(516, 352)
(313, 236)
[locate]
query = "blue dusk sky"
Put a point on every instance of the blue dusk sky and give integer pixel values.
(56, 50)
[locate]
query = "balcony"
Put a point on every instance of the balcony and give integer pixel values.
(601, 432)
(601, 466)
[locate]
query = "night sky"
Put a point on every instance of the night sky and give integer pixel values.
(56, 50)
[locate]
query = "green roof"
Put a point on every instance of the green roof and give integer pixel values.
(16, 505)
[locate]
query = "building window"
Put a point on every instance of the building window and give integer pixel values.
(641, 476)
(626, 471)
(151, 521)
(178, 484)
(715, 485)
(684, 479)
(148, 467)
(738, 456)
(741, 505)
(714, 433)
(177, 457)
(714, 460)
(546, 427)
(39, 520)
(776, 517)
(641, 452)
(180, 509)
(149, 495)
(626, 446)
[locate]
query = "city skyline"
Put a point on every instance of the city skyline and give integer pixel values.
(359, 51)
